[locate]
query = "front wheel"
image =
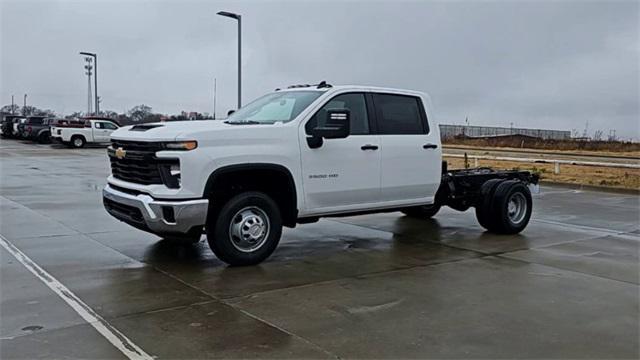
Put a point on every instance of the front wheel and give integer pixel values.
(77, 141)
(44, 138)
(246, 230)
(422, 212)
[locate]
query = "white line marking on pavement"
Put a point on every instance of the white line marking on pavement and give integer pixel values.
(604, 232)
(115, 337)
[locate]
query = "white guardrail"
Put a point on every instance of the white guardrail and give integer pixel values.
(556, 162)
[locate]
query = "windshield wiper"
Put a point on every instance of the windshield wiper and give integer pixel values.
(243, 122)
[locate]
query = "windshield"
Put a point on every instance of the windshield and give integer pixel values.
(278, 106)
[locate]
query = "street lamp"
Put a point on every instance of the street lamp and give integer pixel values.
(239, 18)
(95, 78)
(88, 68)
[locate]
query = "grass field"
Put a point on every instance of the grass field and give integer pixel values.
(518, 142)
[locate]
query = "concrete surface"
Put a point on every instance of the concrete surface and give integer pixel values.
(376, 286)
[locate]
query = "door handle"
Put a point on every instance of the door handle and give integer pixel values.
(369, 147)
(429, 146)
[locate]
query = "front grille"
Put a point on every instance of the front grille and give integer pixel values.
(125, 190)
(139, 164)
(137, 145)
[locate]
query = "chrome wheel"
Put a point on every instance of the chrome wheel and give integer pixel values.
(77, 142)
(249, 229)
(517, 208)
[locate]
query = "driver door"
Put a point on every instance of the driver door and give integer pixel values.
(98, 132)
(108, 129)
(342, 174)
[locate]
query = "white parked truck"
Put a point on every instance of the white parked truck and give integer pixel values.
(90, 130)
(293, 156)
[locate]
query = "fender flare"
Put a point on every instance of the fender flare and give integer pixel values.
(216, 174)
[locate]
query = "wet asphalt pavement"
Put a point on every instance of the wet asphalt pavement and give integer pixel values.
(376, 286)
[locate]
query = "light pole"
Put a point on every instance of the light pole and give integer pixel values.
(214, 98)
(95, 78)
(239, 19)
(88, 68)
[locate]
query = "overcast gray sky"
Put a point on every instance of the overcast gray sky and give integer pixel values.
(551, 64)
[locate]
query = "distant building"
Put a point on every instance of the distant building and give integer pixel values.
(450, 131)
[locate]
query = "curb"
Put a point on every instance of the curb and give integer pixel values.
(591, 187)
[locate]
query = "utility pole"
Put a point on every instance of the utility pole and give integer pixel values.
(95, 84)
(24, 106)
(12, 106)
(95, 79)
(214, 98)
(586, 130)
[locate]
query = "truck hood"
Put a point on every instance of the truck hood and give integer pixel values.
(179, 130)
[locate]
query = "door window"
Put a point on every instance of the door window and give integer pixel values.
(109, 126)
(399, 115)
(98, 125)
(357, 106)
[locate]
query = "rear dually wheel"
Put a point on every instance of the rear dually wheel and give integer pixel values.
(507, 209)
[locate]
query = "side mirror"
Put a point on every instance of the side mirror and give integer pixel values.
(230, 112)
(337, 125)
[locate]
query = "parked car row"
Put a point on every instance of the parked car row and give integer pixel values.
(72, 133)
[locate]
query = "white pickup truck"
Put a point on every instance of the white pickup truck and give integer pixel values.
(294, 156)
(91, 130)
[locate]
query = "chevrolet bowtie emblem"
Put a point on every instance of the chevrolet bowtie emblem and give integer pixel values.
(120, 153)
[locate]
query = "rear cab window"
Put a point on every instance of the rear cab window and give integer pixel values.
(400, 114)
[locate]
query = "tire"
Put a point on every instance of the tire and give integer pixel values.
(77, 141)
(246, 230)
(44, 138)
(483, 209)
(511, 207)
(422, 212)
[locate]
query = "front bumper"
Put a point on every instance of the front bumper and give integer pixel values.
(162, 217)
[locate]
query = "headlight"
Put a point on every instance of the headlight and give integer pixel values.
(181, 145)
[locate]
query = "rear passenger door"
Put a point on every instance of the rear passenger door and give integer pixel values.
(410, 151)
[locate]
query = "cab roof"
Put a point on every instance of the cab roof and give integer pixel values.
(366, 88)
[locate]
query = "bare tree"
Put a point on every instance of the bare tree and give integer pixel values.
(597, 135)
(140, 112)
